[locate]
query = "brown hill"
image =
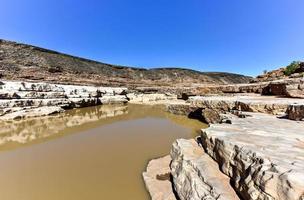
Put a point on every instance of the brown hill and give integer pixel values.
(26, 62)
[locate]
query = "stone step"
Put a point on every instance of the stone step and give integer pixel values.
(196, 175)
(157, 179)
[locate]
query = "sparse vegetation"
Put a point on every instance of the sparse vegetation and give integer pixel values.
(264, 71)
(41, 64)
(291, 68)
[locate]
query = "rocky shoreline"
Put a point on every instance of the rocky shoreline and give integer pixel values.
(253, 148)
(258, 156)
(30, 99)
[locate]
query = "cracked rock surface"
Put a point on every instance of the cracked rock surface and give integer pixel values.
(263, 155)
(196, 176)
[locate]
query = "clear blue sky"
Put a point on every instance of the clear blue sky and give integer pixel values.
(242, 36)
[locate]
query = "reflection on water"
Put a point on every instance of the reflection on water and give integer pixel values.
(90, 153)
(15, 133)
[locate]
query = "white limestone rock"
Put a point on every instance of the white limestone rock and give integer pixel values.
(196, 176)
(151, 98)
(16, 94)
(252, 103)
(263, 155)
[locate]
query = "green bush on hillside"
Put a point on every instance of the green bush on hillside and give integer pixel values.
(291, 68)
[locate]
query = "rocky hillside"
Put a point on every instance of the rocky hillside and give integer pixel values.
(26, 62)
(293, 70)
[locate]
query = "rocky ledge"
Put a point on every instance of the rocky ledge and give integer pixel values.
(262, 155)
(256, 157)
(207, 108)
(26, 99)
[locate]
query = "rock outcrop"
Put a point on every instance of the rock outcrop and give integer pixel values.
(221, 104)
(262, 155)
(280, 74)
(256, 156)
(289, 88)
(155, 98)
(26, 99)
(295, 112)
(196, 175)
(211, 116)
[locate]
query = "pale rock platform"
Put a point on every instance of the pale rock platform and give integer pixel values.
(262, 154)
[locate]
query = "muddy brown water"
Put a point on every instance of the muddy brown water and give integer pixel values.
(89, 153)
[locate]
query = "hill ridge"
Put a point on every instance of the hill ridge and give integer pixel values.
(23, 61)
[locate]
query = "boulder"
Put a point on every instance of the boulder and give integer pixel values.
(278, 89)
(295, 90)
(211, 116)
(295, 112)
(180, 108)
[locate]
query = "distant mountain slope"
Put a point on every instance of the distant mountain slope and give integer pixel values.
(24, 62)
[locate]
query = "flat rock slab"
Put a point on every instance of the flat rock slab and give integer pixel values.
(196, 175)
(251, 103)
(263, 155)
(157, 179)
(248, 99)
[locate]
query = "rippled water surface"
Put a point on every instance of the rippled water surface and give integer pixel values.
(90, 153)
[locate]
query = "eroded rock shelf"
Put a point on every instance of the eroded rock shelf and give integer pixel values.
(258, 157)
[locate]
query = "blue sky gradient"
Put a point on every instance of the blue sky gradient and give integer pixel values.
(208, 35)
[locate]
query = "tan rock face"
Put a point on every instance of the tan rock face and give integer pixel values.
(294, 89)
(295, 112)
(196, 176)
(211, 116)
(263, 155)
(157, 179)
(180, 108)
